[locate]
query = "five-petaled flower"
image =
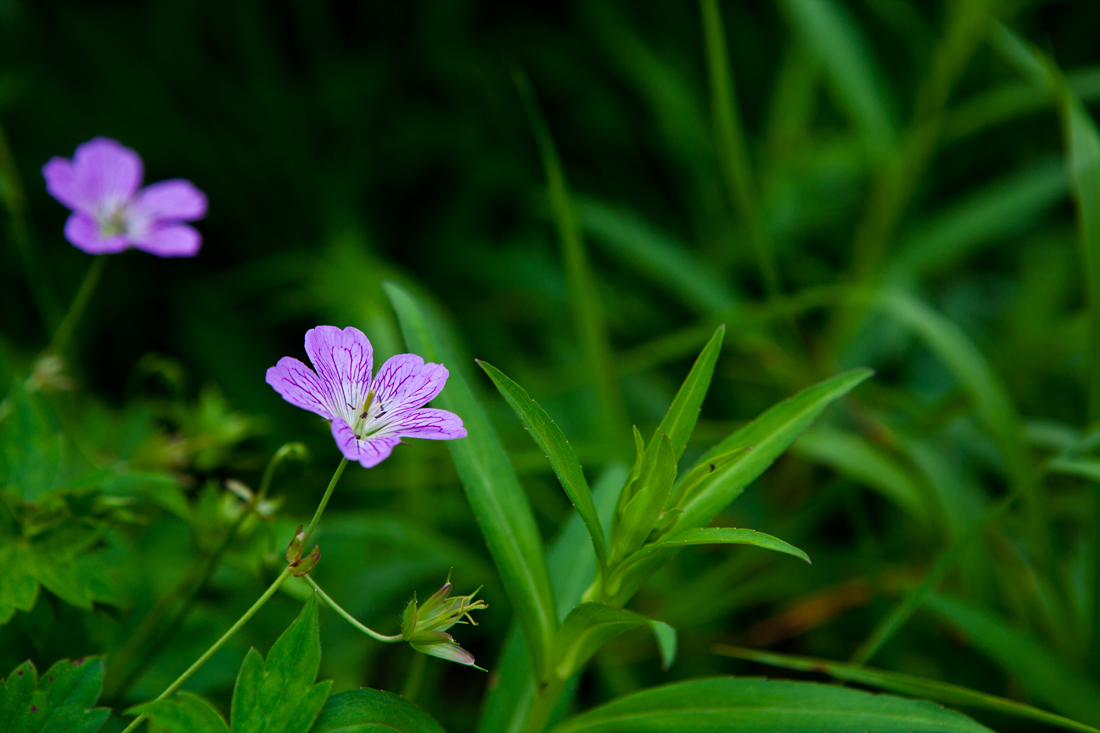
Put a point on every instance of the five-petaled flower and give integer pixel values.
(100, 184)
(369, 415)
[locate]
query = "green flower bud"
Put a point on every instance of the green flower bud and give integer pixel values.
(424, 626)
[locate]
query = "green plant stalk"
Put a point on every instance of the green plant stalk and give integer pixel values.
(64, 333)
(414, 680)
(351, 619)
(286, 573)
(546, 700)
(733, 152)
(150, 636)
(15, 201)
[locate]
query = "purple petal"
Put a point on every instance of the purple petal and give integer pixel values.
(343, 360)
(62, 185)
(174, 200)
(82, 231)
(369, 452)
(299, 386)
(450, 651)
(429, 423)
(106, 173)
(405, 381)
(170, 240)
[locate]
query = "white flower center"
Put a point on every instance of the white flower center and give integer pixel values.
(371, 420)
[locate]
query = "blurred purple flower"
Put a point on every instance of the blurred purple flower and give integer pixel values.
(100, 184)
(368, 417)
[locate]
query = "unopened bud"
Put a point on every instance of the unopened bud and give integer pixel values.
(307, 563)
(294, 549)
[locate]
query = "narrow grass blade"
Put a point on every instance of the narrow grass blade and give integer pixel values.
(733, 152)
(583, 296)
(838, 44)
(495, 495)
(679, 422)
(906, 684)
(1046, 677)
(1071, 466)
(749, 705)
(549, 437)
(852, 455)
(667, 262)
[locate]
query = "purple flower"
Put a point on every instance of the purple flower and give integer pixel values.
(368, 417)
(100, 184)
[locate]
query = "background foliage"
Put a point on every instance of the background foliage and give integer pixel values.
(906, 186)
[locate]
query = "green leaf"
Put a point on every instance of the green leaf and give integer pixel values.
(1046, 677)
(851, 455)
(18, 588)
(373, 711)
(668, 263)
(906, 684)
(60, 702)
(1070, 465)
(30, 445)
(495, 496)
(550, 439)
(835, 40)
(187, 713)
(974, 374)
(279, 696)
(591, 625)
(700, 477)
(719, 536)
(765, 706)
(651, 492)
(769, 435)
(679, 422)
(583, 296)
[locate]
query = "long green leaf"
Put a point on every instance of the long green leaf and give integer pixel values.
(765, 706)
(733, 151)
(721, 536)
(1073, 466)
(1046, 677)
(373, 711)
(549, 437)
(499, 503)
(583, 295)
(679, 422)
(591, 625)
(850, 454)
(571, 566)
(668, 263)
(836, 41)
(769, 435)
(906, 684)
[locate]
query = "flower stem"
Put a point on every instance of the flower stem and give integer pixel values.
(217, 644)
(151, 636)
(287, 571)
(351, 619)
(324, 501)
(65, 331)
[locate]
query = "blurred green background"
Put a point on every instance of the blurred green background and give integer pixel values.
(875, 182)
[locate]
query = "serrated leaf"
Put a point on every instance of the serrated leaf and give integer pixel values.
(765, 706)
(591, 625)
(552, 441)
(60, 702)
(679, 422)
(278, 696)
(906, 684)
(30, 446)
(503, 512)
(373, 711)
(187, 713)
